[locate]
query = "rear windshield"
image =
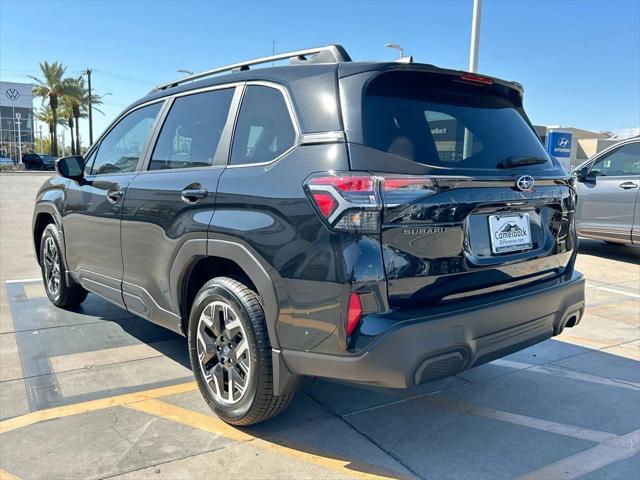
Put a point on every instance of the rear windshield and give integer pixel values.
(440, 121)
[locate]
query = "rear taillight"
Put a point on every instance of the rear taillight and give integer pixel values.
(354, 313)
(348, 201)
(406, 189)
(354, 201)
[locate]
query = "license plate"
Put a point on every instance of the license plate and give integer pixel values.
(509, 233)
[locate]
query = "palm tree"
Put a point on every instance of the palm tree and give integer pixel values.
(45, 115)
(53, 86)
(66, 114)
(71, 102)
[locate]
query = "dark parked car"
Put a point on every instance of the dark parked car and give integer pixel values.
(386, 223)
(38, 161)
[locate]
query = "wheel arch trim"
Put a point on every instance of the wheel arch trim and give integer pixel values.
(47, 208)
(250, 262)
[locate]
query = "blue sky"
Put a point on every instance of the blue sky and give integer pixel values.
(578, 60)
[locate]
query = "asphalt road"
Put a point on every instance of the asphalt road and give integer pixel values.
(99, 393)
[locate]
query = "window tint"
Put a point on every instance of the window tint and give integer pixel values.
(440, 121)
(192, 131)
(622, 161)
(120, 150)
(264, 130)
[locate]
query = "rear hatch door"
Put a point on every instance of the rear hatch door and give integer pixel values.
(472, 203)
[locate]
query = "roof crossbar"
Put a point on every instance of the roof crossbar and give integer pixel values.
(327, 54)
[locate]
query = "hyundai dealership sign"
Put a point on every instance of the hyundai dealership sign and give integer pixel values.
(559, 146)
(559, 143)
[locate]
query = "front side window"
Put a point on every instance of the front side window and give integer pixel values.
(121, 148)
(264, 130)
(624, 161)
(192, 131)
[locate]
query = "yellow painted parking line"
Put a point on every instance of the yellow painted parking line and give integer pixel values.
(7, 476)
(208, 423)
(214, 425)
(92, 405)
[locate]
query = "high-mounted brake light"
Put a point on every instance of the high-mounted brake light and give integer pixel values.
(354, 313)
(473, 78)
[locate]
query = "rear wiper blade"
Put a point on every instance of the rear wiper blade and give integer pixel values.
(512, 162)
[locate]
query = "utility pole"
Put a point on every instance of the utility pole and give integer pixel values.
(88, 72)
(467, 148)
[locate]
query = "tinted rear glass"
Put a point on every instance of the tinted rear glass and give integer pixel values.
(441, 121)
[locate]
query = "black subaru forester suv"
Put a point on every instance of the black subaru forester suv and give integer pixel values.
(386, 223)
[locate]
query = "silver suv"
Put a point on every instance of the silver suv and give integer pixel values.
(608, 199)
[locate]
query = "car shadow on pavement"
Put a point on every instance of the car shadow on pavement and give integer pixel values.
(610, 251)
(419, 432)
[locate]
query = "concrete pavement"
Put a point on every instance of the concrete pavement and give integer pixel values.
(100, 393)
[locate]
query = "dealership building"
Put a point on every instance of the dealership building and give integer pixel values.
(16, 119)
(572, 146)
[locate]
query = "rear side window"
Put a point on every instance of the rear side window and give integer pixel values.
(121, 148)
(264, 130)
(192, 131)
(443, 122)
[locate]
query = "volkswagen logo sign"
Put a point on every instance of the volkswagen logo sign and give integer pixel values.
(12, 94)
(525, 183)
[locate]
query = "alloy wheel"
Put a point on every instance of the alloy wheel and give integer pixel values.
(223, 352)
(51, 266)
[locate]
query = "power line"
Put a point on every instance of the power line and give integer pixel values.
(559, 45)
(125, 78)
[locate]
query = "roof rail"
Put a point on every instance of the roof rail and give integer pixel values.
(328, 54)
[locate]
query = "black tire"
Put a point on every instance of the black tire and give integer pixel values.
(257, 403)
(68, 293)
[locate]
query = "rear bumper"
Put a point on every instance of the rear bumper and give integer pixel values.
(425, 348)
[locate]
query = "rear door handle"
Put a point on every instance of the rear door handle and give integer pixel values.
(114, 195)
(628, 185)
(192, 195)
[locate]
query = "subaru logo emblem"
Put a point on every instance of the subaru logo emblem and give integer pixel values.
(563, 142)
(525, 183)
(12, 93)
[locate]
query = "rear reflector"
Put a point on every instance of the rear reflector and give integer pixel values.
(354, 313)
(473, 78)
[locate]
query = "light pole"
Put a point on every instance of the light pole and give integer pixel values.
(88, 72)
(467, 147)
(184, 70)
(475, 35)
(18, 118)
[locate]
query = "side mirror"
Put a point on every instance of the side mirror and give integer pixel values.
(583, 174)
(71, 167)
